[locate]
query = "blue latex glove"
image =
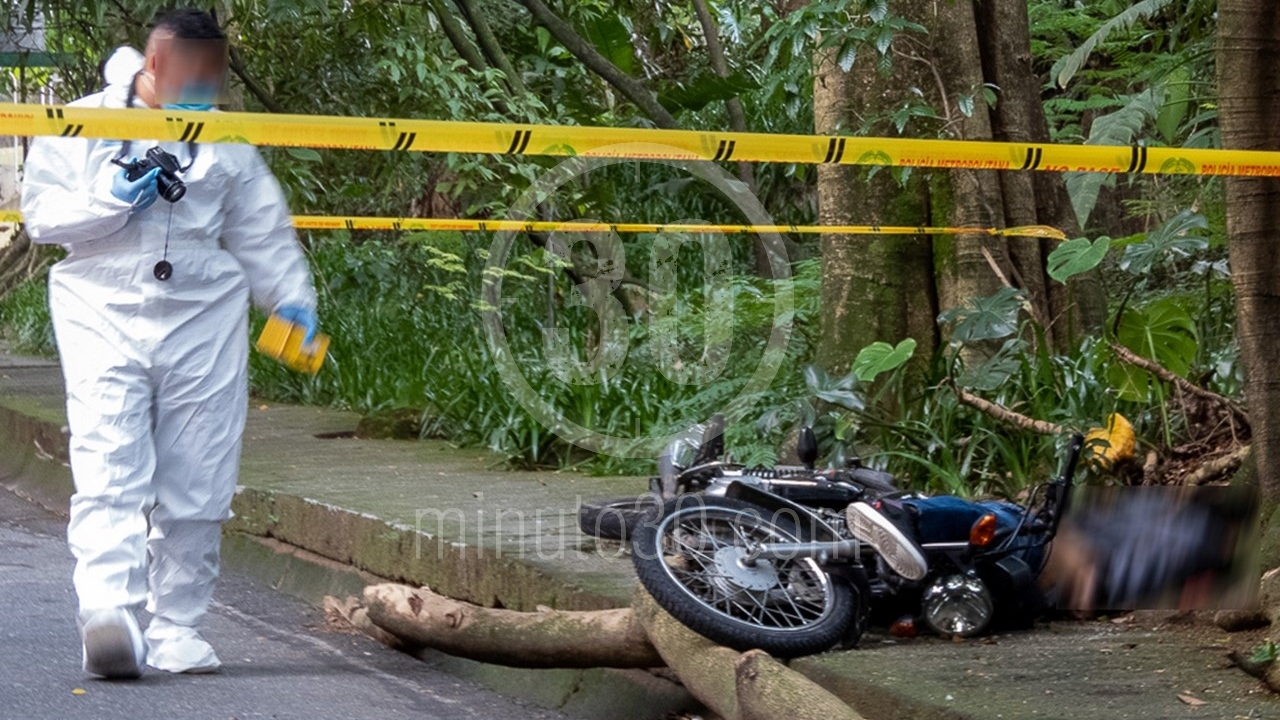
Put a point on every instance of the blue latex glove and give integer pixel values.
(301, 316)
(140, 193)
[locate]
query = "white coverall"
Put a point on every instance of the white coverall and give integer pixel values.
(156, 371)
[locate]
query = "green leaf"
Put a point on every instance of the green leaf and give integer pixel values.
(612, 40)
(303, 154)
(1067, 67)
(848, 54)
(1177, 103)
(996, 370)
(1117, 128)
(704, 89)
(1163, 332)
(878, 10)
(838, 391)
(1170, 241)
(1265, 654)
(986, 318)
(1077, 256)
(880, 357)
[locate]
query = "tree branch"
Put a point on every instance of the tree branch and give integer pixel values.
(632, 89)
(715, 53)
(457, 37)
(1126, 355)
(1006, 415)
(237, 66)
(1218, 466)
(489, 45)
(547, 639)
(737, 118)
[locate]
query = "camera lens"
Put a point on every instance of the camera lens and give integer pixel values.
(171, 190)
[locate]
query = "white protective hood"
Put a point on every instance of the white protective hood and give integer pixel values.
(123, 64)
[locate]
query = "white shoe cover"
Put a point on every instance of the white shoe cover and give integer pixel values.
(179, 649)
(873, 528)
(112, 643)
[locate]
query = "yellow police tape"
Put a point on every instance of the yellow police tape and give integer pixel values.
(340, 222)
(355, 133)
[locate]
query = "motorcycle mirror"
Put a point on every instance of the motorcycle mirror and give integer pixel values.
(667, 474)
(711, 446)
(676, 456)
(807, 447)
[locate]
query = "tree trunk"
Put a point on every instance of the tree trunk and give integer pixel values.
(1248, 66)
(885, 289)
(20, 260)
(1032, 197)
(975, 195)
(874, 287)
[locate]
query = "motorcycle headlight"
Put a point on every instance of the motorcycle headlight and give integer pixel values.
(957, 605)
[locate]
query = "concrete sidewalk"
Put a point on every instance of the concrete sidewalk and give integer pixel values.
(320, 512)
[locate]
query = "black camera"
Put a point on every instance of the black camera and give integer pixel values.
(168, 183)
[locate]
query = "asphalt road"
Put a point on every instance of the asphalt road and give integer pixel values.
(278, 659)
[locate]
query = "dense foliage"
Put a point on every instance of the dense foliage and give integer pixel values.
(403, 309)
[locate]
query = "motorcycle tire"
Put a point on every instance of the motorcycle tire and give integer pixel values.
(614, 518)
(689, 559)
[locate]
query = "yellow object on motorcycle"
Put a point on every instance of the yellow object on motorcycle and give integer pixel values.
(1110, 445)
(281, 340)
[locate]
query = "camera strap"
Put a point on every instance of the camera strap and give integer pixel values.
(163, 270)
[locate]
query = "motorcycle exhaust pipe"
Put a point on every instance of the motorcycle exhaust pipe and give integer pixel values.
(844, 549)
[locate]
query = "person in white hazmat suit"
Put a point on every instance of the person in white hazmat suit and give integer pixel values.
(150, 313)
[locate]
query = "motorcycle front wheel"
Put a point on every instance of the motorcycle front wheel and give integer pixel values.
(693, 560)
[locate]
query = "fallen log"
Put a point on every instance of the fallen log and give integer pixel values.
(544, 639)
(356, 616)
(707, 670)
(769, 690)
(733, 685)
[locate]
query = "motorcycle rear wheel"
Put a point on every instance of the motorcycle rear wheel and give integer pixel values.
(614, 518)
(692, 560)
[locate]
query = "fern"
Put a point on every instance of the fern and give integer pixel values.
(1067, 67)
(1117, 128)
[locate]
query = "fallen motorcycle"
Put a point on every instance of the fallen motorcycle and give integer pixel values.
(697, 464)
(749, 567)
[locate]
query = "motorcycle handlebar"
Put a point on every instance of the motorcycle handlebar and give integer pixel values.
(1062, 491)
(1074, 448)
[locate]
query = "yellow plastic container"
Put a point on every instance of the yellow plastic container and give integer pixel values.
(281, 340)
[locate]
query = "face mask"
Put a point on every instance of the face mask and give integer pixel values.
(195, 97)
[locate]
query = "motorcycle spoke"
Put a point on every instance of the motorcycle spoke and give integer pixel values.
(690, 548)
(697, 540)
(792, 602)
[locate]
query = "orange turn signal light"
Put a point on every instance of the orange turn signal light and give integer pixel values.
(983, 531)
